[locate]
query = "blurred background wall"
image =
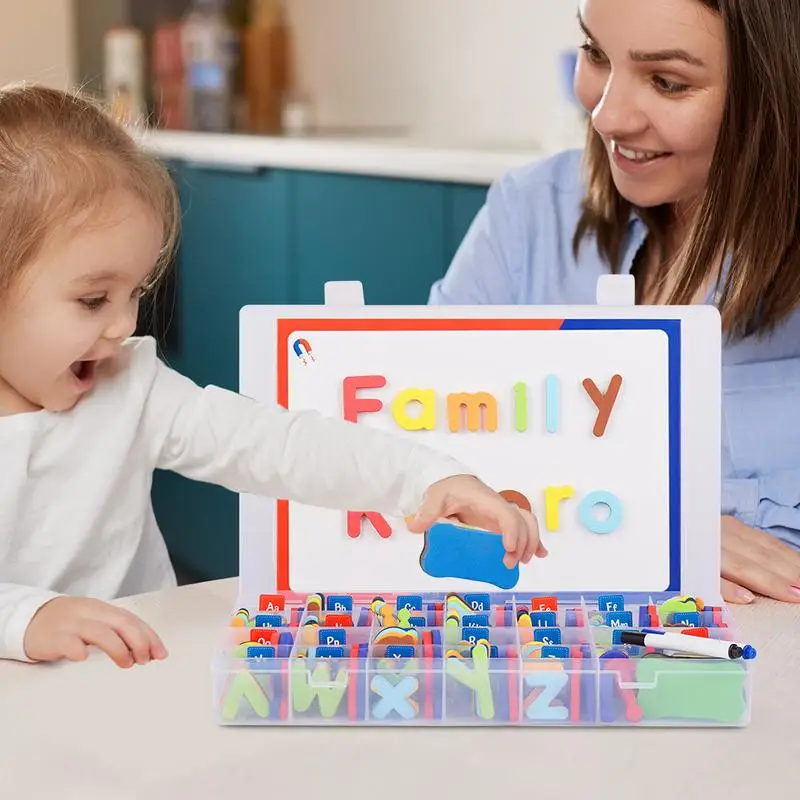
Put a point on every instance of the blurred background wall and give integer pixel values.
(476, 71)
(37, 41)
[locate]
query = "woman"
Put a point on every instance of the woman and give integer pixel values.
(690, 180)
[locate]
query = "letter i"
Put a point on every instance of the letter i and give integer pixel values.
(551, 403)
(521, 407)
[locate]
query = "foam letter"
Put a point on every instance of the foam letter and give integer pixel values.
(477, 679)
(382, 527)
(472, 403)
(550, 680)
(551, 403)
(426, 421)
(397, 697)
(608, 525)
(604, 402)
(553, 495)
(515, 497)
(351, 403)
(521, 407)
(244, 686)
(329, 691)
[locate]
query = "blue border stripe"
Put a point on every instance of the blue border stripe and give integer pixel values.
(672, 328)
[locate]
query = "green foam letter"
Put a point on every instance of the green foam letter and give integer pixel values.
(305, 687)
(477, 678)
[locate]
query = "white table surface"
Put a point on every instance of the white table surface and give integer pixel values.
(92, 730)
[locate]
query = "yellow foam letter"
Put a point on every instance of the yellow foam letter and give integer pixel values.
(473, 404)
(553, 495)
(426, 421)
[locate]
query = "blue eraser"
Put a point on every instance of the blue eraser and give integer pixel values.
(455, 551)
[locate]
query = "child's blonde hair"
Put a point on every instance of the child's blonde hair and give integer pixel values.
(61, 154)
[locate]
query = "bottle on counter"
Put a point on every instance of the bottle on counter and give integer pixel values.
(238, 17)
(124, 73)
(209, 50)
(167, 73)
(265, 46)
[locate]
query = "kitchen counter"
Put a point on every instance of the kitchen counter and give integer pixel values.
(393, 156)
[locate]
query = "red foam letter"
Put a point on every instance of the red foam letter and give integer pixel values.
(352, 405)
(382, 527)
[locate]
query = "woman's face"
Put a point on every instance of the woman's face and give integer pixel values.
(652, 74)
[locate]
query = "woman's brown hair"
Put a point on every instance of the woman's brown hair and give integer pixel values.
(750, 211)
(62, 154)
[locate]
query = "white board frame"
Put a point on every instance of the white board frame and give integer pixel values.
(700, 387)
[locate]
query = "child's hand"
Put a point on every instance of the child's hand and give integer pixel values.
(65, 627)
(471, 502)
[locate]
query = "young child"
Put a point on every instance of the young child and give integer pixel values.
(87, 412)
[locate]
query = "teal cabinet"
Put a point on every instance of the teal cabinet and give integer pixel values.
(386, 233)
(233, 252)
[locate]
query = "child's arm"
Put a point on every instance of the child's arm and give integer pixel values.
(224, 438)
(18, 605)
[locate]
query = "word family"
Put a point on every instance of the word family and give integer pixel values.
(476, 411)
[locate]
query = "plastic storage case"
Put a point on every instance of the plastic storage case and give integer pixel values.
(462, 660)
(463, 653)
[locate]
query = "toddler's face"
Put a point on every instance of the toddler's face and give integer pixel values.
(64, 320)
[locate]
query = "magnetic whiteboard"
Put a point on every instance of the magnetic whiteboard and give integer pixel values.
(530, 377)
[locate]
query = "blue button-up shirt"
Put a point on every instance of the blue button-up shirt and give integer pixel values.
(518, 251)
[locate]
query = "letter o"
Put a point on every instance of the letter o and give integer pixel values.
(590, 522)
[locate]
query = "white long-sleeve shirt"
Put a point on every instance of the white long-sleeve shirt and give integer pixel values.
(75, 510)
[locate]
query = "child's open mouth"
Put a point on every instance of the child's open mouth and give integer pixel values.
(84, 372)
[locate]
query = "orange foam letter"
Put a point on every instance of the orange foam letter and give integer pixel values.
(473, 404)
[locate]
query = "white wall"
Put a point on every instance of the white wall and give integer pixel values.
(36, 42)
(479, 71)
